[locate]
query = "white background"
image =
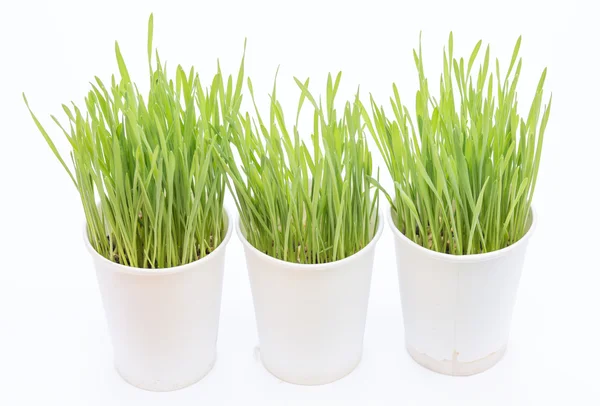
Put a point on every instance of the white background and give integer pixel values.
(54, 345)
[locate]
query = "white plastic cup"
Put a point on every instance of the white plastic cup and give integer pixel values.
(163, 323)
(310, 318)
(457, 308)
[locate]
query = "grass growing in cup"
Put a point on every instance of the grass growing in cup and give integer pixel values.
(464, 172)
(152, 191)
(309, 223)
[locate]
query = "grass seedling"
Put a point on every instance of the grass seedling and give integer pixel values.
(150, 184)
(308, 204)
(465, 170)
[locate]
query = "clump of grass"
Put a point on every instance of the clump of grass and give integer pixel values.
(465, 177)
(304, 204)
(151, 187)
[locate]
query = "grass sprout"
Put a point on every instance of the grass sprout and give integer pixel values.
(300, 203)
(150, 184)
(465, 170)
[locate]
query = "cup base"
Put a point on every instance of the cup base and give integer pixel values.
(159, 386)
(454, 367)
(295, 379)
